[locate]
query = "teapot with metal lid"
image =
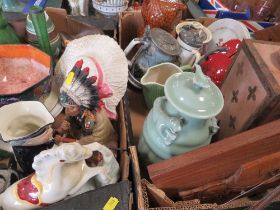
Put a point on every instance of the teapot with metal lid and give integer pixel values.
(182, 120)
(157, 46)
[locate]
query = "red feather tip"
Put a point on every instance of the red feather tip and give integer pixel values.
(79, 64)
(86, 70)
(94, 78)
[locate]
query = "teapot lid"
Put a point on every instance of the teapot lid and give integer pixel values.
(165, 42)
(194, 94)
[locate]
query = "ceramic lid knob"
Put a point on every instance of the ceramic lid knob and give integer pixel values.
(194, 94)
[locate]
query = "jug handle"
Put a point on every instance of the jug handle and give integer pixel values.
(187, 68)
(131, 45)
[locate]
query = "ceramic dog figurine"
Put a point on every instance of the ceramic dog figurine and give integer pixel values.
(60, 172)
(79, 7)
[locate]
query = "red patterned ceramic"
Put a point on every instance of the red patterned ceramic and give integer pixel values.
(217, 64)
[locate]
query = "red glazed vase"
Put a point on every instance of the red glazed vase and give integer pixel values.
(165, 14)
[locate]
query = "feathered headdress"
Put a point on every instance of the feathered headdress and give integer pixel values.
(79, 89)
(106, 61)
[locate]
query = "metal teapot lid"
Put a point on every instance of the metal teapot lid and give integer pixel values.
(194, 94)
(165, 42)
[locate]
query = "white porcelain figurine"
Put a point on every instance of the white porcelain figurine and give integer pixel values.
(79, 7)
(62, 171)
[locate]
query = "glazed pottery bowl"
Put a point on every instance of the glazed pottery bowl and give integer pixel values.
(110, 7)
(24, 74)
(22, 120)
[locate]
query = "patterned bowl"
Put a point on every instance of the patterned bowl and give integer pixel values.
(24, 74)
(110, 7)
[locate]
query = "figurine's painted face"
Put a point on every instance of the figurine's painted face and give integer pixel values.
(72, 111)
(65, 100)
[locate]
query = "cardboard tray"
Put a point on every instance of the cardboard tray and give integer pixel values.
(146, 195)
(64, 24)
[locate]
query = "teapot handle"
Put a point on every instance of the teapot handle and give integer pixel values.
(131, 46)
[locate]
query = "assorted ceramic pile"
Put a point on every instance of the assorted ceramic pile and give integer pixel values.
(180, 74)
(57, 108)
(57, 105)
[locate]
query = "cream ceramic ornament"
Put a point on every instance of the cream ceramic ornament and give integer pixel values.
(105, 59)
(59, 172)
(79, 7)
(22, 119)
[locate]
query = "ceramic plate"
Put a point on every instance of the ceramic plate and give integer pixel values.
(226, 29)
(21, 119)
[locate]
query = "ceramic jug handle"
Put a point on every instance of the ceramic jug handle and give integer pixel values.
(197, 57)
(186, 68)
(131, 45)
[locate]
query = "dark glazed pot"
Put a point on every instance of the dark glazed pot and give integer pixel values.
(25, 155)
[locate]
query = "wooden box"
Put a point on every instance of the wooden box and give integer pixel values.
(251, 89)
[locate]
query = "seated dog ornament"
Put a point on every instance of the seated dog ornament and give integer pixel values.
(62, 171)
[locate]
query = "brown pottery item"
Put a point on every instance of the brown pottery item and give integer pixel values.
(162, 13)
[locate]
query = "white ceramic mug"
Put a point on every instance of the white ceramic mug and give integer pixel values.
(189, 55)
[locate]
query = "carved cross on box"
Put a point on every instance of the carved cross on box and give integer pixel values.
(232, 121)
(234, 98)
(252, 93)
(240, 68)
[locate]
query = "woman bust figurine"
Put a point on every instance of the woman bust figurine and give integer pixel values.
(84, 117)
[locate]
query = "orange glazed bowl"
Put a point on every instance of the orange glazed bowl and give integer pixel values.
(25, 74)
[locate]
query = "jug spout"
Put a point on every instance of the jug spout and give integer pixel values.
(154, 80)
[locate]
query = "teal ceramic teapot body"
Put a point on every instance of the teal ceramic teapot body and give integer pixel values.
(183, 120)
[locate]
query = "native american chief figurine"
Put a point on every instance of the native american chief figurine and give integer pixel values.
(85, 118)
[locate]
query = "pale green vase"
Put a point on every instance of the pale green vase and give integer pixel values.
(183, 119)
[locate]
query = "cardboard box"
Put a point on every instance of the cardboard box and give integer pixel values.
(146, 195)
(64, 24)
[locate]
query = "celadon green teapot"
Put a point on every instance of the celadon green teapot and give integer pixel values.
(182, 120)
